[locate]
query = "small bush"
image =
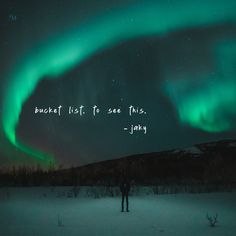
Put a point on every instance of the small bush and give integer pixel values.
(212, 220)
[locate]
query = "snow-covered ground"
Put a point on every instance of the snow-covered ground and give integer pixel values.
(37, 212)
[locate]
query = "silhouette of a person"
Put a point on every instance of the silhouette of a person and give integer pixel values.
(125, 188)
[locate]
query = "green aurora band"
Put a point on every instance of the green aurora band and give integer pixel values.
(209, 103)
(57, 56)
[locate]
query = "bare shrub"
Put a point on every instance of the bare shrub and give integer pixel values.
(212, 220)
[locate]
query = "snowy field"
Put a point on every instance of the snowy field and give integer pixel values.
(46, 212)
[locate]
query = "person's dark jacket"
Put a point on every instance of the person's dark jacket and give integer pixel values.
(125, 187)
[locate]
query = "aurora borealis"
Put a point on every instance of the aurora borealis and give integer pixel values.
(211, 105)
(201, 99)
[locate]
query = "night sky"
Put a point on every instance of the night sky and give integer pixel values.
(175, 59)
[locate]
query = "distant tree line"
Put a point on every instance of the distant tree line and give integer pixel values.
(213, 171)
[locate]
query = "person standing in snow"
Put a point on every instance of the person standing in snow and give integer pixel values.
(125, 188)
